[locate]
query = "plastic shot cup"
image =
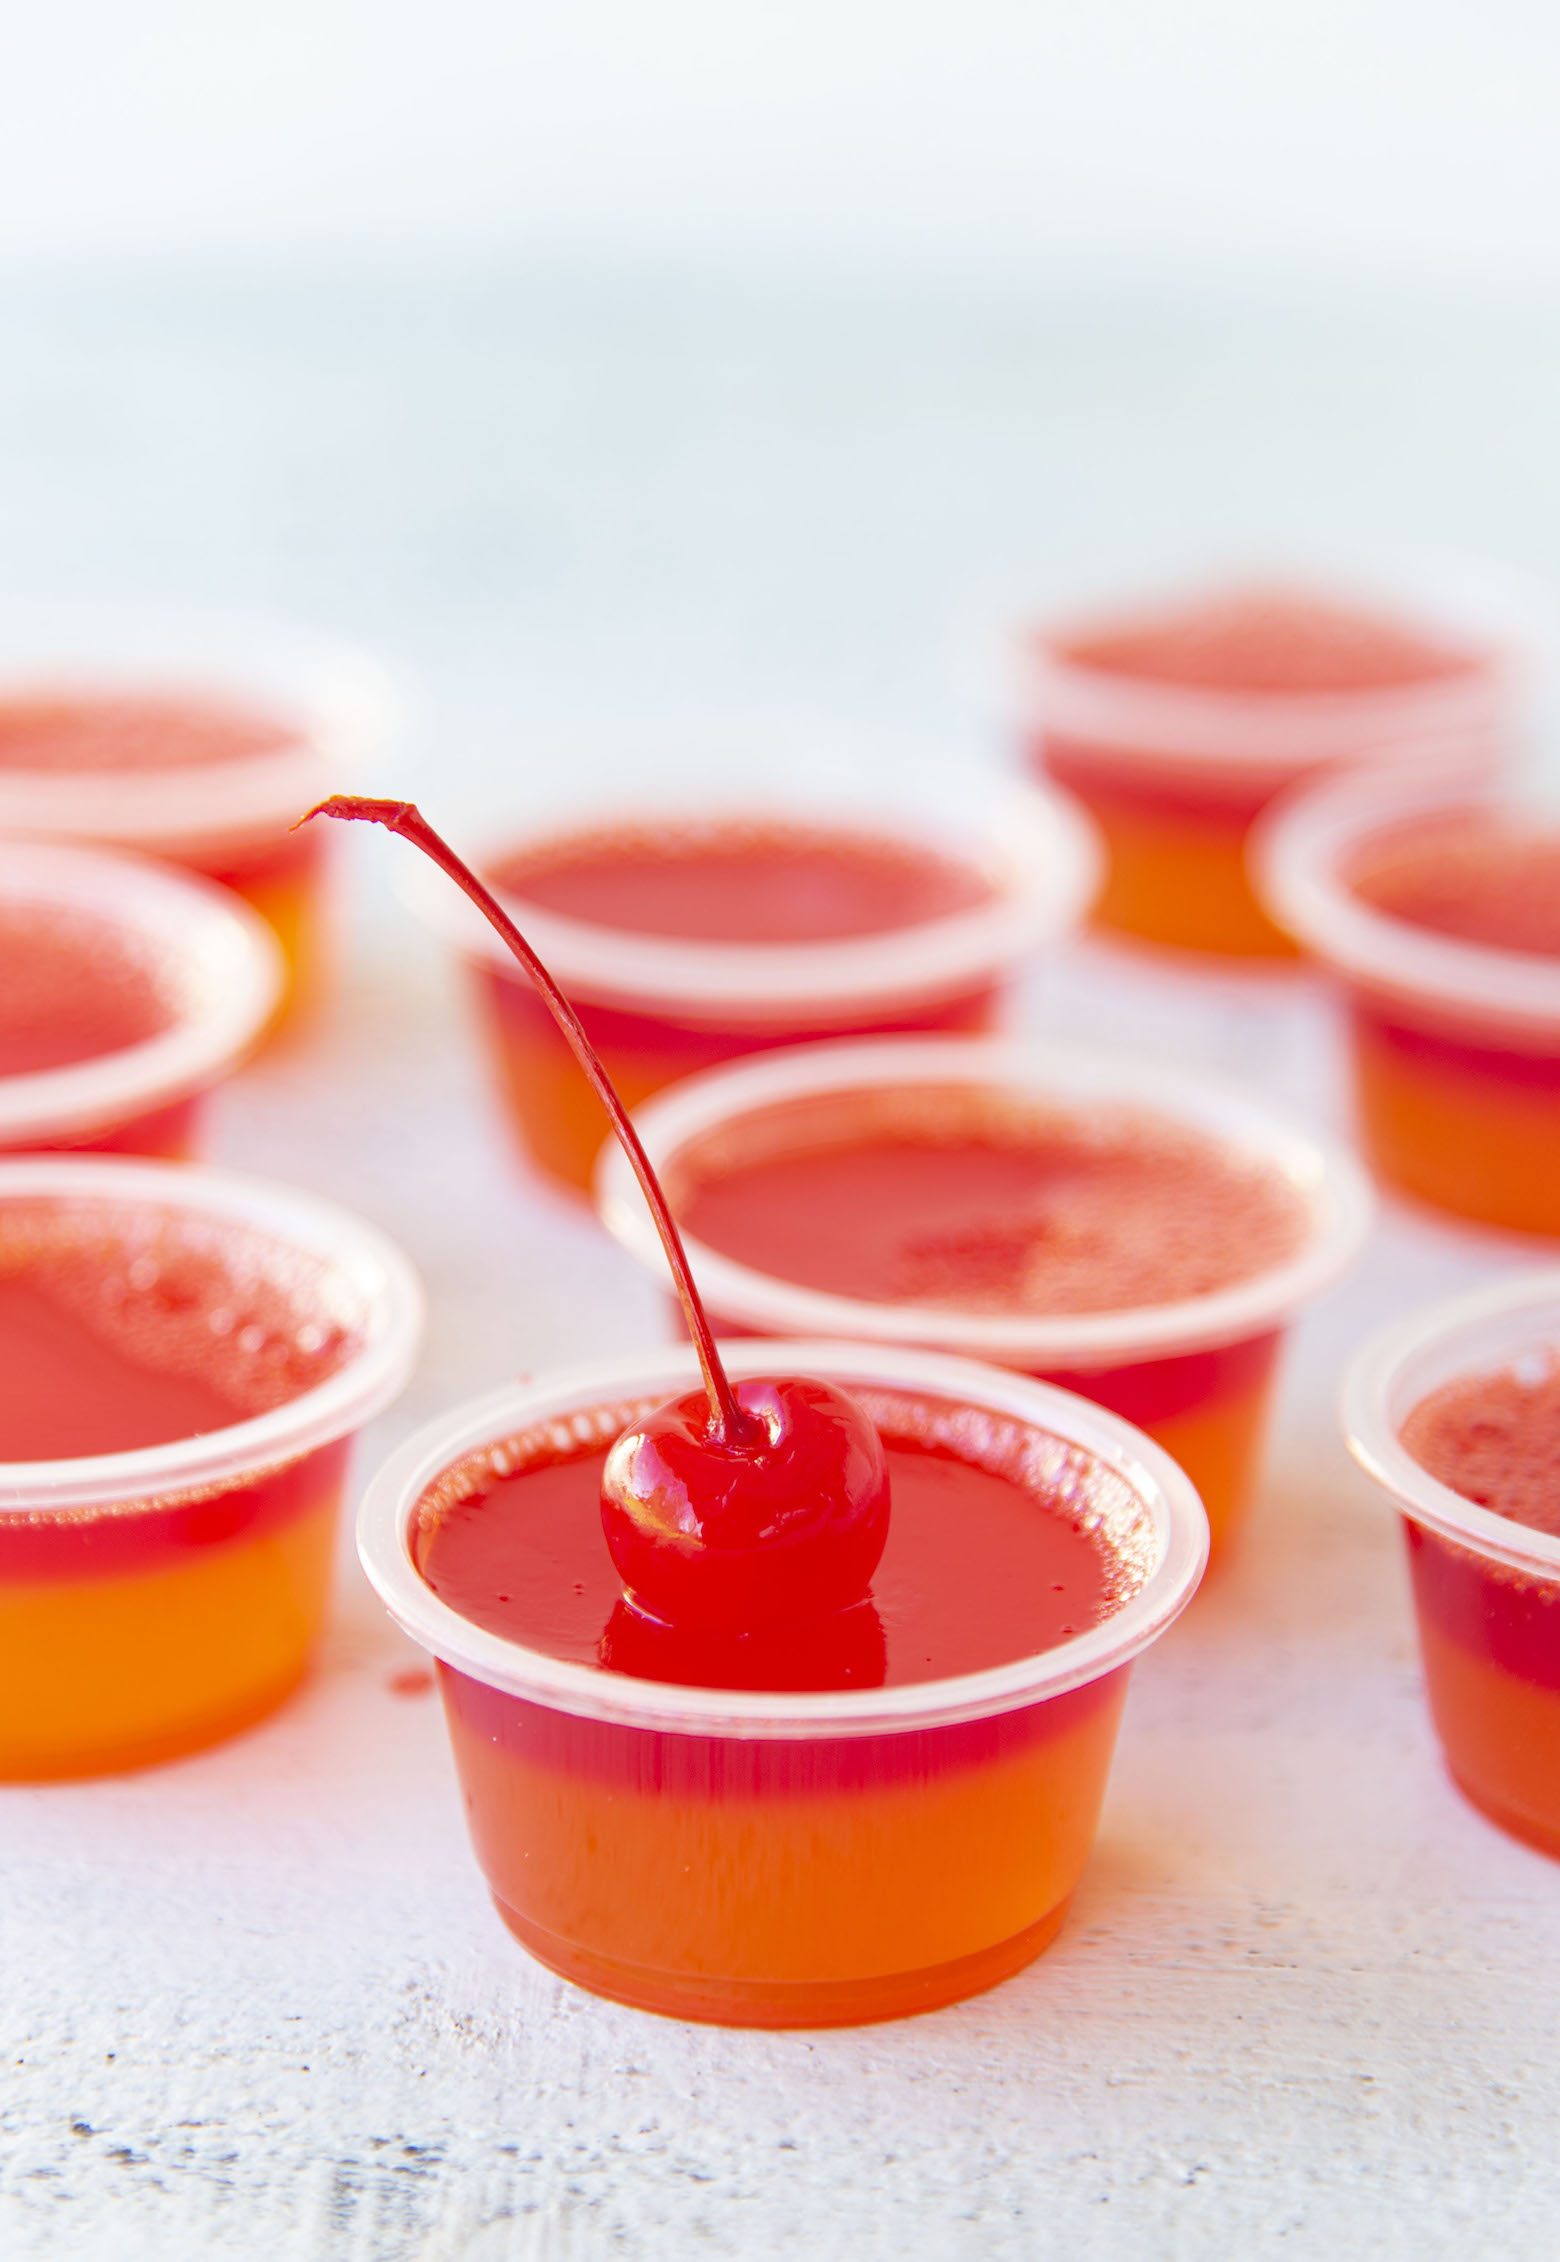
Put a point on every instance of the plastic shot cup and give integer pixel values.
(659, 1008)
(210, 973)
(1176, 773)
(154, 1601)
(1196, 1371)
(1454, 1046)
(803, 1859)
(194, 736)
(1486, 1589)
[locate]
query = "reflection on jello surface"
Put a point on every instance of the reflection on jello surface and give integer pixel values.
(851, 1824)
(1177, 723)
(1138, 1236)
(1458, 1414)
(187, 1356)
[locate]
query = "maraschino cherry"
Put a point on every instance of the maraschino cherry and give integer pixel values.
(726, 1511)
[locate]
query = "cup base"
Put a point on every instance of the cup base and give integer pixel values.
(1544, 1838)
(785, 2003)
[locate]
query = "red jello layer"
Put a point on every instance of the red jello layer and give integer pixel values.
(1478, 880)
(1272, 640)
(73, 989)
(963, 1201)
(1003, 1542)
(125, 1328)
(81, 730)
(742, 883)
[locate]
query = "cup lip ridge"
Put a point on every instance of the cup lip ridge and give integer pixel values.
(1336, 1187)
(1296, 855)
(1407, 1361)
(385, 1513)
(1043, 845)
(240, 961)
(366, 1383)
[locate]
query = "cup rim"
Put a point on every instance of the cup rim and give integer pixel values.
(1181, 1528)
(1297, 854)
(1399, 1367)
(1337, 1192)
(337, 701)
(1039, 847)
(228, 976)
(1241, 733)
(392, 1301)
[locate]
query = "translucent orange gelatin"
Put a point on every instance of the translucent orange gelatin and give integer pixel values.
(286, 878)
(135, 1628)
(808, 1879)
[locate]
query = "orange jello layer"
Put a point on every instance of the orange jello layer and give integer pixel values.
(1479, 880)
(742, 883)
(139, 1627)
(964, 1201)
(74, 988)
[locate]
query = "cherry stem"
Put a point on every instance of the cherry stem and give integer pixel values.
(729, 1422)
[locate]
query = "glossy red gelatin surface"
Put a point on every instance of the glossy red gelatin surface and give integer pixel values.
(808, 1880)
(71, 991)
(152, 1625)
(1483, 882)
(734, 883)
(1490, 1633)
(116, 731)
(1270, 640)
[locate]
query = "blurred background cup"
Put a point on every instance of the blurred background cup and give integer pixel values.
(1196, 1372)
(194, 735)
(130, 991)
(661, 1005)
(1454, 1042)
(1486, 1588)
(1177, 715)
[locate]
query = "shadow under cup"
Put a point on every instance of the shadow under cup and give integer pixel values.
(1486, 1589)
(798, 1859)
(1197, 1375)
(153, 1601)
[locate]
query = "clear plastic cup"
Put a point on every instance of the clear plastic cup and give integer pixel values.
(659, 1009)
(785, 1860)
(324, 707)
(1175, 774)
(213, 963)
(1455, 1047)
(1197, 1374)
(1486, 1589)
(157, 1600)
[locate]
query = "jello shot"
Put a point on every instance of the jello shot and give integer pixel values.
(1435, 905)
(1142, 1236)
(686, 935)
(851, 1819)
(129, 991)
(187, 1356)
(1456, 1414)
(1176, 722)
(193, 738)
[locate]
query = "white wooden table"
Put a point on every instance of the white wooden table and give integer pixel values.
(256, 2004)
